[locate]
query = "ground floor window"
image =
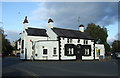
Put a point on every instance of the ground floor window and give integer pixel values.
(98, 52)
(22, 44)
(69, 49)
(86, 51)
(54, 51)
(44, 51)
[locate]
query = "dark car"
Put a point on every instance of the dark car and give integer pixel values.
(18, 54)
(117, 54)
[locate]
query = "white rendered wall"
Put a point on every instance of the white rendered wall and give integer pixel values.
(51, 34)
(18, 45)
(75, 41)
(102, 50)
(49, 45)
(29, 44)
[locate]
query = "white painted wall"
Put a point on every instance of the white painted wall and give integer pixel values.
(23, 37)
(51, 34)
(29, 44)
(75, 41)
(18, 45)
(102, 50)
(49, 45)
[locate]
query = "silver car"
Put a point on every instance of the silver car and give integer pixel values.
(117, 54)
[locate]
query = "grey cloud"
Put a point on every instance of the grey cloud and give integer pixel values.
(66, 14)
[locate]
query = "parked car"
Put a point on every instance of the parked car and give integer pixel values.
(18, 54)
(117, 54)
(109, 54)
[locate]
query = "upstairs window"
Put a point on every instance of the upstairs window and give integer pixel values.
(85, 41)
(69, 40)
(78, 40)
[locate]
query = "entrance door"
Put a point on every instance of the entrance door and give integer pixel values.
(79, 52)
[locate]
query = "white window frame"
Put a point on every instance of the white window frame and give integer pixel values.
(87, 52)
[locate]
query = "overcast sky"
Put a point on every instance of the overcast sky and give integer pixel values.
(64, 14)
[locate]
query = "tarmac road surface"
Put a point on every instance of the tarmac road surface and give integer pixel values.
(13, 66)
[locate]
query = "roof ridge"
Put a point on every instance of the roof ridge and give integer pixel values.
(68, 29)
(36, 28)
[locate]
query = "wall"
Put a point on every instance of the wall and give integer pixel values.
(51, 34)
(75, 41)
(29, 44)
(102, 50)
(49, 45)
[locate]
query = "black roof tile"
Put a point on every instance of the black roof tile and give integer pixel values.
(71, 33)
(36, 32)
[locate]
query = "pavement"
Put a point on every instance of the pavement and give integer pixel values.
(13, 66)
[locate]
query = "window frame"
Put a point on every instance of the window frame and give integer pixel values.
(69, 49)
(45, 51)
(54, 51)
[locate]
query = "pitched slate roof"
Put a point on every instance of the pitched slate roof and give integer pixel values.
(71, 33)
(36, 32)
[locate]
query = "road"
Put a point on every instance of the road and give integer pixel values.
(13, 66)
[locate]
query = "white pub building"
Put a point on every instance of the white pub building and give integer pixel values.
(58, 44)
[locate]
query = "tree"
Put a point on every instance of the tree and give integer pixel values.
(99, 34)
(6, 46)
(116, 46)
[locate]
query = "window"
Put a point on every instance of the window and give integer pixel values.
(85, 41)
(22, 44)
(78, 40)
(70, 51)
(63, 38)
(86, 52)
(98, 52)
(54, 51)
(69, 40)
(44, 51)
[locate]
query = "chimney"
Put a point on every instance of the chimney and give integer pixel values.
(25, 23)
(50, 23)
(81, 28)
